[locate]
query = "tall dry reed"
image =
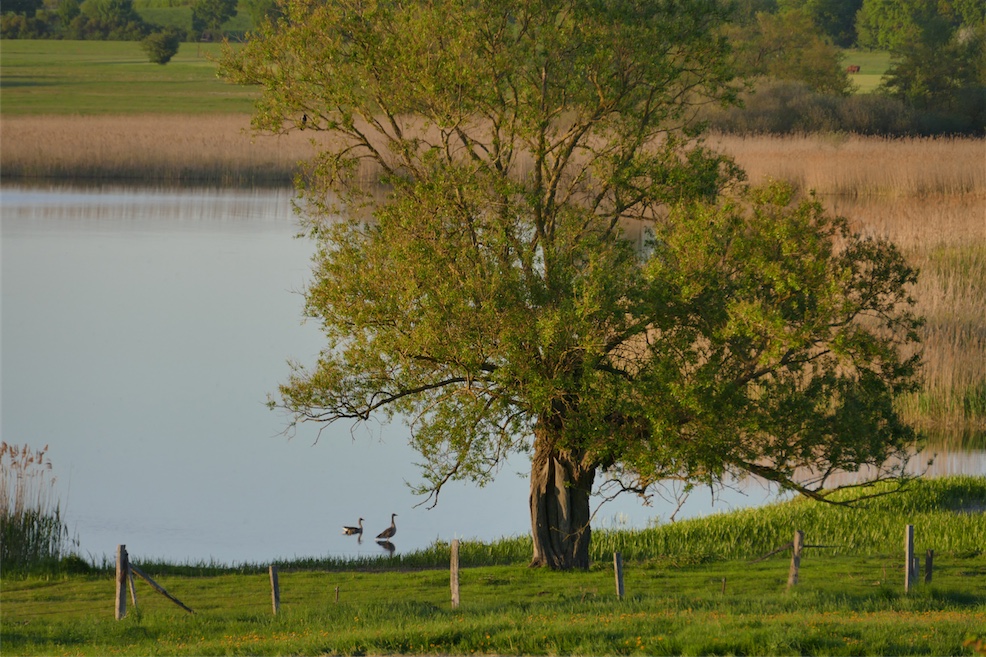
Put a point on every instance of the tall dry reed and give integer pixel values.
(221, 149)
(857, 166)
(217, 150)
(32, 532)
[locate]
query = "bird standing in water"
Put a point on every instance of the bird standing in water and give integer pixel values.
(390, 531)
(351, 531)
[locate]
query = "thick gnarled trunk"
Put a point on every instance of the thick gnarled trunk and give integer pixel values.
(561, 483)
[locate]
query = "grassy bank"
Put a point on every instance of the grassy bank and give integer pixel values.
(688, 592)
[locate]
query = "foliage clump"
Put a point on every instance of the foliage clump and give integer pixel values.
(161, 46)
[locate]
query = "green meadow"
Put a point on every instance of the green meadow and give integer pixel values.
(693, 587)
(872, 65)
(113, 77)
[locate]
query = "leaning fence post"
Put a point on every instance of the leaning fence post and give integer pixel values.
(130, 581)
(618, 570)
(275, 590)
(799, 540)
(909, 574)
(928, 562)
(122, 576)
(454, 573)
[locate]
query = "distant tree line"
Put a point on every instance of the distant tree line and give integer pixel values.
(120, 20)
(789, 50)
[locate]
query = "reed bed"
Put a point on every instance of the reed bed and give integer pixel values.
(945, 238)
(857, 166)
(162, 149)
(221, 148)
(32, 532)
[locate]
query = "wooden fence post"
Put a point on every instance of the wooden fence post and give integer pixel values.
(799, 541)
(909, 574)
(122, 576)
(928, 562)
(275, 590)
(618, 570)
(454, 573)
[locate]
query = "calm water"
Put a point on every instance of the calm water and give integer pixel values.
(142, 331)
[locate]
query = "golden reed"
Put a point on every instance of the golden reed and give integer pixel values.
(152, 149)
(222, 149)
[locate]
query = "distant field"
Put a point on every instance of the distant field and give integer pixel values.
(113, 77)
(872, 65)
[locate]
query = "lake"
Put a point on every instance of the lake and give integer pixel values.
(142, 330)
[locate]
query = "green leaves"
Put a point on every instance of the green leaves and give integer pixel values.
(487, 291)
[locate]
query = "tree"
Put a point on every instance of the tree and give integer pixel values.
(107, 19)
(835, 18)
(891, 24)
(946, 76)
(261, 10)
(489, 293)
(209, 15)
(161, 46)
(26, 7)
(788, 46)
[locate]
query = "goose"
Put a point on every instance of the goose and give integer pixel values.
(350, 531)
(390, 531)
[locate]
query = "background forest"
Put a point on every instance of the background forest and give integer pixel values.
(877, 67)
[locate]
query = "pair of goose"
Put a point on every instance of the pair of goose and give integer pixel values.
(382, 536)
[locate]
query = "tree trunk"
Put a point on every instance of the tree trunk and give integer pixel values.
(561, 483)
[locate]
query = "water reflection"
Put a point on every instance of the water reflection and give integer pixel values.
(142, 331)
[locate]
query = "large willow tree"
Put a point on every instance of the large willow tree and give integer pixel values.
(486, 289)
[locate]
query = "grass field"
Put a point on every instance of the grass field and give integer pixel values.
(681, 597)
(113, 77)
(872, 65)
(48, 77)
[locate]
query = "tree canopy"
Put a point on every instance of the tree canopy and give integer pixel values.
(209, 15)
(553, 265)
(787, 46)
